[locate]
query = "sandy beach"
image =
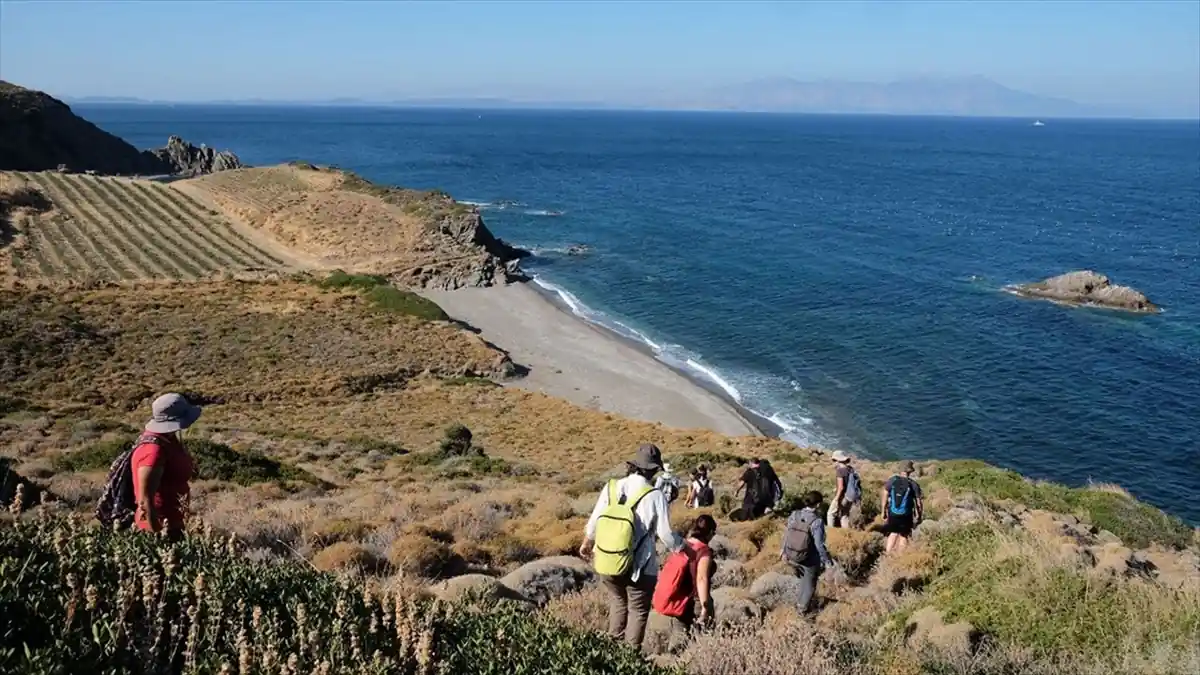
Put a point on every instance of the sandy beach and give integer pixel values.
(569, 358)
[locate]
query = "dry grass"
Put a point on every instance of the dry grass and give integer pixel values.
(586, 610)
(336, 219)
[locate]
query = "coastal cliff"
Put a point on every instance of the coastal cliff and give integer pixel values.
(41, 133)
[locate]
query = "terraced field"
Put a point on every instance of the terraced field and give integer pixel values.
(125, 229)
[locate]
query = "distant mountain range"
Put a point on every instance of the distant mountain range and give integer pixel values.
(965, 96)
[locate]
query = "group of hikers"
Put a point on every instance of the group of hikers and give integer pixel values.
(632, 514)
(147, 488)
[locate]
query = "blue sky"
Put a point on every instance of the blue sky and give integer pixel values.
(1132, 55)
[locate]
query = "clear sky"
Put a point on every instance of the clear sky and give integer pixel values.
(1132, 55)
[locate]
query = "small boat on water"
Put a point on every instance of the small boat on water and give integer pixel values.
(1039, 123)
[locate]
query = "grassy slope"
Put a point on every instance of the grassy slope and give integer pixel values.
(296, 377)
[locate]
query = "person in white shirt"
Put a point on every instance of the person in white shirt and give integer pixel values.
(630, 595)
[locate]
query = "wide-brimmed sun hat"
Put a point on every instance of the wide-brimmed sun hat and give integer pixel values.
(647, 458)
(839, 456)
(171, 412)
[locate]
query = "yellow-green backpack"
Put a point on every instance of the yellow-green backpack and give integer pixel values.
(615, 545)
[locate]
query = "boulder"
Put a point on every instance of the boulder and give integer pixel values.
(475, 588)
(1114, 559)
(543, 580)
(730, 573)
(184, 159)
(733, 606)
(723, 548)
(1086, 287)
(1173, 569)
(927, 627)
(775, 589)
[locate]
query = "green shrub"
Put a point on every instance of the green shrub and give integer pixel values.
(78, 598)
(213, 461)
(365, 444)
(391, 299)
(456, 442)
(466, 380)
(1060, 609)
(339, 279)
(1136, 523)
(687, 461)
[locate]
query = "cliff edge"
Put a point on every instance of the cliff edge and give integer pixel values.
(41, 133)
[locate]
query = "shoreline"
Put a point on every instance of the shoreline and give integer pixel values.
(575, 359)
(762, 425)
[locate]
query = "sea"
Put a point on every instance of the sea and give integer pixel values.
(841, 276)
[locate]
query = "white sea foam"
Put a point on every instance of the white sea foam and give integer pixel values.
(798, 429)
(544, 212)
(479, 205)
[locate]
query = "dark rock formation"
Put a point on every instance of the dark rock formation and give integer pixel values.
(578, 249)
(185, 159)
(1088, 288)
(40, 133)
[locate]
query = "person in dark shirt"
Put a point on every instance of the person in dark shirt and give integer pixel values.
(902, 506)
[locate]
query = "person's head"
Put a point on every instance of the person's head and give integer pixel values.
(171, 413)
(646, 461)
(754, 462)
(812, 499)
(840, 457)
(702, 528)
(907, 468)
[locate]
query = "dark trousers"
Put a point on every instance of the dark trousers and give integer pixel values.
(629, 606)
(808, 589)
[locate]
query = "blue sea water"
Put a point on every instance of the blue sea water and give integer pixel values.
(842, 276)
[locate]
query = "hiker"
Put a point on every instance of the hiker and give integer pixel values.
(683, 592)
(770, 485)
(700, 491)
(903, 507)
(619, 538)
(667, 483)
(846, 508)
(762, 489)
(162, 468)
(804, 549)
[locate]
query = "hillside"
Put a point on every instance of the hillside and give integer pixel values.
(420, 239)
(331, 435)
(40, 133)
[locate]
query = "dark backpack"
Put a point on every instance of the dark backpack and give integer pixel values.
(797, 537)
(705, 497)
(117, 504)
(764, 487)
(900, 496)
(853, 493)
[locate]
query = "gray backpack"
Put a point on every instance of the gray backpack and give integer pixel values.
(797, 537)
(853, 493)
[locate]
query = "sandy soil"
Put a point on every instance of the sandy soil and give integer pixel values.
(574, 360)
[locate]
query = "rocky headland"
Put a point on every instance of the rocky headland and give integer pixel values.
(1087, 288)
(41, 133)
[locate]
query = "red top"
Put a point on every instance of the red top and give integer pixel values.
(696, 551)
(173, 490)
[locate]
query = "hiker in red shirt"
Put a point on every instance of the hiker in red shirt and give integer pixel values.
(161, 466)
(684, 589)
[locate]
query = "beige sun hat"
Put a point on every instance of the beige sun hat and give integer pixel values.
(840, 456)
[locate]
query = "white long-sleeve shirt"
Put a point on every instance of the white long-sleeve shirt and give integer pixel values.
(651, 515)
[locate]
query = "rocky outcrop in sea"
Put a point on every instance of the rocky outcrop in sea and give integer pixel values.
(1088, 288)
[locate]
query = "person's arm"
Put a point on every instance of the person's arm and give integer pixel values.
(662, 523)
(918, 503)
(149, 479)
(883, 505)
(589, 531)
(704, 574)
(817, 529)
(840, 492)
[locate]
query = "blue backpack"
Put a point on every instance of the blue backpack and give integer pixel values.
(900, 504)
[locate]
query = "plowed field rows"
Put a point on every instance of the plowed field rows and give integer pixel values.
(123, 229)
